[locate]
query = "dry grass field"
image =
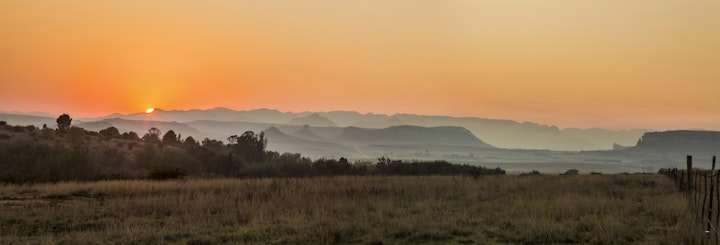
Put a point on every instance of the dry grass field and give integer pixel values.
(585, 209)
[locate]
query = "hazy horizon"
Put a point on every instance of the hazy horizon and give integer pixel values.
(574, 64)
(156, 110)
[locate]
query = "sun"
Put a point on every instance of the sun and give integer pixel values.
(149, 110)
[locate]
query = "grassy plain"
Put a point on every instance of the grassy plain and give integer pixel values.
(585, 209)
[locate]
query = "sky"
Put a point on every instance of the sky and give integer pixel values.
(652, 64)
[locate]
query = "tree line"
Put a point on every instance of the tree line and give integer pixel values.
(70, 153)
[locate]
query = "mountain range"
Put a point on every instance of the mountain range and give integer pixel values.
(499, 133)
(220, 122)
(367, 136)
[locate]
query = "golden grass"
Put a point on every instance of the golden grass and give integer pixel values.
(589, 209)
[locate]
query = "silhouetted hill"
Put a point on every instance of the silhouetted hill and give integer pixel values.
(410, 135)
(141, 127)
(273, 134)
(515, 135)
(618, 147)
(323, 132)
(681, 143)
(236, 128)
(599, 137)
(229, 128)
(343, 118)
(383, 122)
(313, 120)
(22, 119)
(98, 125)
(306, 133)
(282, 142)
(272, 116)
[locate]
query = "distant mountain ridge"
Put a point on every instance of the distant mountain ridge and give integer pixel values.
(500, 133)
(682, 142)
(282, 142)
(306, 133)
(410, 135)
(141, 127)
(23, 119)
(497, 132)
(313, 120)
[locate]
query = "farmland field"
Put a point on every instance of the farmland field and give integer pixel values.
(586, 209)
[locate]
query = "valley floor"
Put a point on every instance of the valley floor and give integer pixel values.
(561, 167)
(585, 209)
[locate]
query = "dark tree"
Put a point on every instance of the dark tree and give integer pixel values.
(190, 142)
(153, 135)
(250, 147)
(130, 136)
(109, 133)
(170, 138)
(63, 122)
(383, 162)
(213, 145)
(76, 135)
(47, 133)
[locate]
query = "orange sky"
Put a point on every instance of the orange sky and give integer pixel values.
(612, 63)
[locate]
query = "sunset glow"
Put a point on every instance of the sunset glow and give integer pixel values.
(616, 64)
(150, 110)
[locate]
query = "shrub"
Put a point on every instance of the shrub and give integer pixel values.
(47, 133)
(166, 172)
(572, 172)
(533, 173)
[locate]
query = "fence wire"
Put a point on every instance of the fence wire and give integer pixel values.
(702, 189)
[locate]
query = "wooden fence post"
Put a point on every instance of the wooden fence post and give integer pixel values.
(702, 209)
(710, 204)
(689, 174)
(696, 190)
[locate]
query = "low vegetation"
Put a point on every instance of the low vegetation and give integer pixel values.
(543, 209)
